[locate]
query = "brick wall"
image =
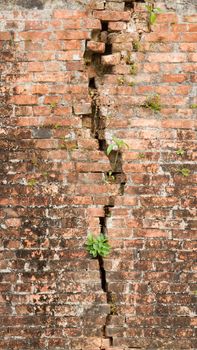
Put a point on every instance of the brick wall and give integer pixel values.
(73, 77)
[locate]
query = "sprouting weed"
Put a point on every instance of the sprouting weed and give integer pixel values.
(152, 12)
(97, 246)
(153, 103)
(141, 155)
(116, 145)
(121, 81)
(57, 126)
(131, 83)
(193, 105)
(184, 171)
(136, 45)
(133, 68)
(53, 105)
(180, 152)
(32, 182)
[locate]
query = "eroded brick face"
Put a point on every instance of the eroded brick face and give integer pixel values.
(73, 76)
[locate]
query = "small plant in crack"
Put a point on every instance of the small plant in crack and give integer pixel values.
(98, 246)
(184, 171)
(153, 102)
(113, 306)
(117, 145)
(133, 68)
(152, 12)
(180, 152)
(109, 177)
(131, 83)
(53, 105)
(141, 155)
(56, 126)
(121, 81)
(193, 106)
(32, 182)
(136, 45)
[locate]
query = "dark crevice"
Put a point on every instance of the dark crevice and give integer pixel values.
(108, 49)
(104, 26)
(104, 285)
(102, 145)
(129, 5)
(92, 83)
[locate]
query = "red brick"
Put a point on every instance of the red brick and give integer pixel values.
(24, 100)
(92, 23)
(167, 17)
(34, 36)
(111, 60)
(36, 25)
(35, 67)
(116, 26)
(72, 35)
(188, 46)
(112, 15)
(189, 37)
(174, 78)
(96, 46)
(167, 57)
(83, 108)
(191, 19)
(5, 36)
(66, 14)
(193, 57)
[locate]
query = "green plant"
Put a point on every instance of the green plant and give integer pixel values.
(45, 174)
(31, 182)
(131, 83)
(53, 105)
(184, 171)
(117, 145)
(180, 152)
(113, 306)
(121, 81)
(136, 45)
(97, 246)
(152, 12)
(153, 102)
(141, 155)
(56, 126)
(109, 177)
(133, 68)
(193, 106)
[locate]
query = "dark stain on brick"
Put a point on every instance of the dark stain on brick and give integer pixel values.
(30, 4)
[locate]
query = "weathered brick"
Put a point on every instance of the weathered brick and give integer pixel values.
(112, 15)
(111, 60)
(96, 46)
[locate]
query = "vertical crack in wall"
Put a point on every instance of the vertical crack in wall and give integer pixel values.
(98, 127)
(99, 60)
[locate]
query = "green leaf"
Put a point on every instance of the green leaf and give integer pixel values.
(153, 17)
(148, 7)
(184, 171)
(158, 10)
(110, 148)
(180, 152)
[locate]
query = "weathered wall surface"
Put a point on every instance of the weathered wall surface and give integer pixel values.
(74, 75)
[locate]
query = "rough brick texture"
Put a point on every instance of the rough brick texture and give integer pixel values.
(74, 75)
